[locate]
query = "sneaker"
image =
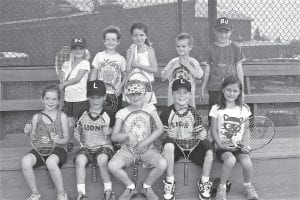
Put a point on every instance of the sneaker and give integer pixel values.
(149, 193)
(169, 190)
(127, 194)
(221, 193)
(109, 195)
(62, 196)
(250, 192)
(205, 189)
(80, 196)
(35, 196)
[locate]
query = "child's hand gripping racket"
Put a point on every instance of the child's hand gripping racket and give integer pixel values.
(41, 140)
(61, 57)
(110, 74)
(138, 125)
(186, 129)
(92, 141)
(259, 131)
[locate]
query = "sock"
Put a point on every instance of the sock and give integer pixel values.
(170, 179)
(146, 186)
(204, 179)
(247, 184)
(131, 186)
(107, 186)
(222, 185)
(81, 188)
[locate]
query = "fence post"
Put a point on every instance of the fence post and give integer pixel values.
(179, 15)
(212, 17)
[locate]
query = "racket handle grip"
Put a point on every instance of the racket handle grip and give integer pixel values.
(94, 173)
(186, 175)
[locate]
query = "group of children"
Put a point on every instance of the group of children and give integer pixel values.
(85, 93)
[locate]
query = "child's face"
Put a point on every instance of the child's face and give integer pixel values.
(223, 35)
(111, 41)
(50, 100)
(136, 99)
(139, 36)
(78, 51)
(96, 101)
(181, 96)
(183, 47)
(231, 92)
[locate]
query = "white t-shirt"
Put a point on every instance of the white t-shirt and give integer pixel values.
(182, 72)
(110, 68)
(230, 122)
(76, 92)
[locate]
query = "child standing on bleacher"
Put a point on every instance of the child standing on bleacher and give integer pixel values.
(93, 131)
(227, 129)
(184, 66)
(76, 75)
(223, 58)
(41, 122)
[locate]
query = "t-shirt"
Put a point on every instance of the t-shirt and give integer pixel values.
(76, 92)
(182, 72)
(171, 120)
(110, 68)
(90, 130)
(123, 113)
(222, 61)
(230, 122)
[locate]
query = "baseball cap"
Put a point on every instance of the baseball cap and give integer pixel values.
(181, 83)
(96, 87)
(223, 23)
(78, 41)
(135, 87)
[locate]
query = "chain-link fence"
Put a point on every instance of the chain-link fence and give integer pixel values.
(32, 31)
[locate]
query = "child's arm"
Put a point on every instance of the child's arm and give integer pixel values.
(117, 136)
(75, 80)
(65, 130)
(129, 59)
(204, 82)
(124, 74)
(193, 66)
(168, 70)
(153, 62)
(93, 74)
(240, 72)
(155, 134)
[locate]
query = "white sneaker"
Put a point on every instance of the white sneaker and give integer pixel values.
(62, 196)
(35, 196)
(204, 189)
(169, 190)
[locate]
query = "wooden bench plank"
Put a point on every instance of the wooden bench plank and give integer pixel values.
(271, 69)
(21, 104)
(272, 98)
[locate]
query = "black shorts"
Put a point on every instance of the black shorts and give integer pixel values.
(75, 109)
(219, 153)
(92, 155)
(60, 152)
(197, 156)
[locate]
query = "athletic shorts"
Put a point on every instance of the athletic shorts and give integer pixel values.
(61, 153)
(75, 109)
(198, 154)
(149, 157)
(92, 155)
(219, 153)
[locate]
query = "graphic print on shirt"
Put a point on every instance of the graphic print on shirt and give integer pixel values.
(110, 73)
(231, 127)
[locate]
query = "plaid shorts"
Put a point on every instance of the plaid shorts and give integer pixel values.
(92, 155)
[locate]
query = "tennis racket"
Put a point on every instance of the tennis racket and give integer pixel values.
(110, 77)
(139, 76)
(138, 125)
(259, 131)
(92, 137)
(41, 140)
(61, 57)
(185, 127)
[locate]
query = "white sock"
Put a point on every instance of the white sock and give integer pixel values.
(131, 186)
(204, 179)
(222, 185)
(107, 186)
(247, 184)
(146, 186)
(81, 188)
(170, 179)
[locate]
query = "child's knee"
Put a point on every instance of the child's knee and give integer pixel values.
(168, 149)
(102, 160)
(27, 162)
(209, 156)
(161, 164)
(52, 163)
(230, 161)
(114, 165)
(81, 160)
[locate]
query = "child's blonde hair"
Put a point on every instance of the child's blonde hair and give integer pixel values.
(185, 36)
